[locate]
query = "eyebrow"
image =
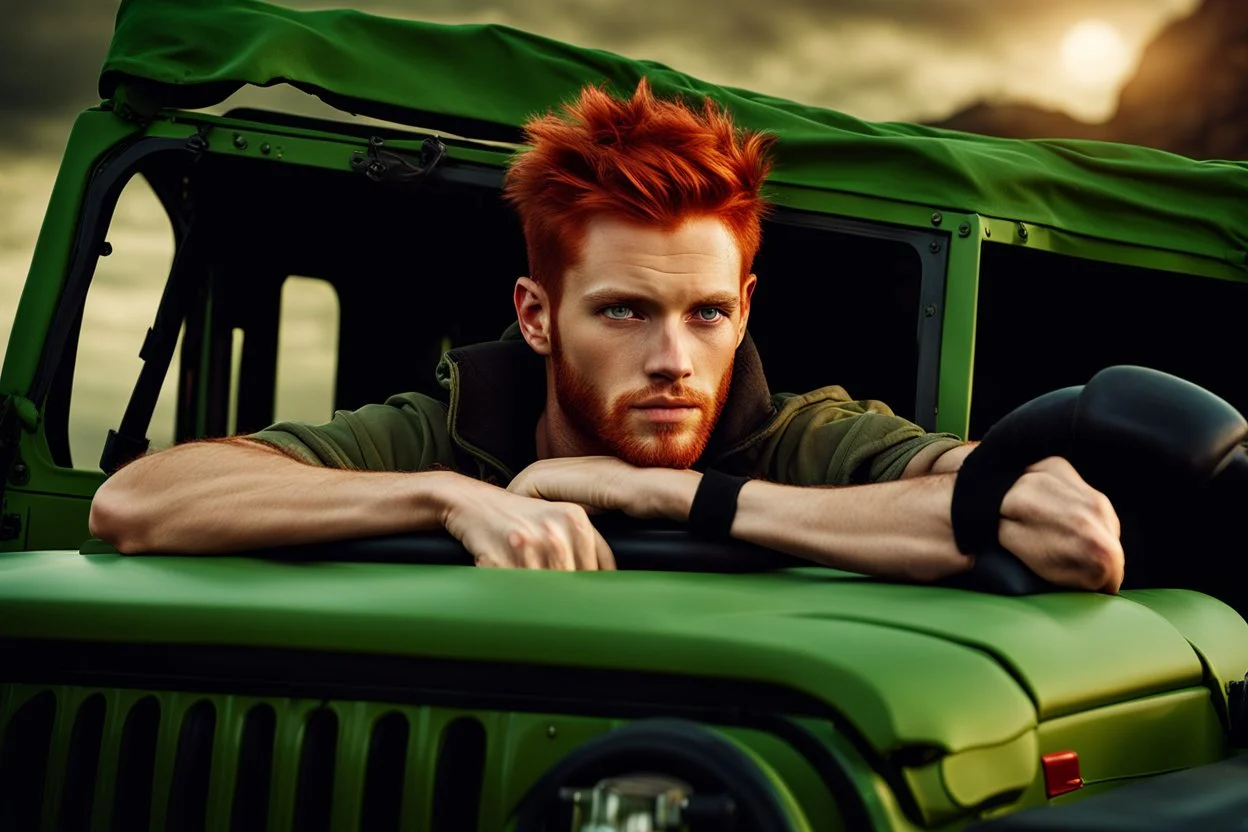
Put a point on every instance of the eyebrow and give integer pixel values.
(728, 301)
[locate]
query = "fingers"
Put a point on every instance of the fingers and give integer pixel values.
(606, 558)
(1062, 528)
(584, 549)
(528, 533)
(1090, 558)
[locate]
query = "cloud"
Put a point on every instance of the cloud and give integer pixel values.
(51, 52)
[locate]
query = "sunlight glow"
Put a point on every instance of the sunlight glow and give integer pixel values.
(1094, 54)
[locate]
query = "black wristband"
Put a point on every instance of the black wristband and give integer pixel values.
(715, 505)
(975, 513)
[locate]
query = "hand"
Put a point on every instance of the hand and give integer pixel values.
(1063, 529)
(604, 483)
(507, 530)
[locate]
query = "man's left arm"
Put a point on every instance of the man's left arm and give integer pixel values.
(1060, 527)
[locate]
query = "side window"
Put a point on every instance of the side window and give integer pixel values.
(1047, 321)
(121, 304)
(307, 351)
(835, 306)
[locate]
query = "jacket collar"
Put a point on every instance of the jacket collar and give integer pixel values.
(498, 391)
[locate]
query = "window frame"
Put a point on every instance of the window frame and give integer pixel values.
(933, 252)
(203, 393)
(52, 381)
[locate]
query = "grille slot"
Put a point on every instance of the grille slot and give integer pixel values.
(81, 765)
(255, 768)
(188, 792)
(314, 796)
(24, 762)
(136, 763)
(82, 757)
(383, 778)
(460, 772)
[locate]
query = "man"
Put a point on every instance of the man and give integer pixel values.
(627, 384)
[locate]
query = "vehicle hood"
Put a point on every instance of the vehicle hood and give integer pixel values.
(907, 665)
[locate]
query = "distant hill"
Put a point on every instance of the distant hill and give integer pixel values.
(1189, 94)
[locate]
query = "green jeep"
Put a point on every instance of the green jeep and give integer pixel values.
(379, 684)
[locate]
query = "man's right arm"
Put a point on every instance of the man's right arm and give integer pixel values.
(213, 497)
(233, 495)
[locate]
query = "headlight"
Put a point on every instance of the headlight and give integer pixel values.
(658, 775)
(642, 803)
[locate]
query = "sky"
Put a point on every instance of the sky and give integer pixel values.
(885, 60)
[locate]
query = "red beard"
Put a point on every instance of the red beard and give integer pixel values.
(664, 445)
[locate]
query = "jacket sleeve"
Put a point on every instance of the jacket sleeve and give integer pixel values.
(407, 433)
(824, 441)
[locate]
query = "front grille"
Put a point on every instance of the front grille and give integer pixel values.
(81, 758)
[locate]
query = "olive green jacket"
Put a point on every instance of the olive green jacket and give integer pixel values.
(498, 390)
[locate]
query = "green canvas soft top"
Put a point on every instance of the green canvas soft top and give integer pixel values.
(488, 79)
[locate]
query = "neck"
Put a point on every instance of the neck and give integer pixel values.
(556, 437)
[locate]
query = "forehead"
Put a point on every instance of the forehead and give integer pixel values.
(700, 255)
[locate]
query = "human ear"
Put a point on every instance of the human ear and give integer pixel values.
(533, 314)
(747, 292)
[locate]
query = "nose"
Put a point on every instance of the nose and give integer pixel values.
(669, 357)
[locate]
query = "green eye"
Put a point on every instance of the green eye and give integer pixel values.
(709, 314)
(618, 313)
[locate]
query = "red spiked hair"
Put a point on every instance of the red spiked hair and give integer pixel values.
(651, 161)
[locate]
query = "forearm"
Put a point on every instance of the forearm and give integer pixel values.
(898, 529)
(221, 497)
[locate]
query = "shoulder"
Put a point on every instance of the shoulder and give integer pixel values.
(825, 403)
(414, 404)
(825, 437)
(406, 432)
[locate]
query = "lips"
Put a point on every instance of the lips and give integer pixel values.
(666, 410)
(664, 403)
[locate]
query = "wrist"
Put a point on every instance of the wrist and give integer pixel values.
(670, 494)
(448, 492)
(714, 508)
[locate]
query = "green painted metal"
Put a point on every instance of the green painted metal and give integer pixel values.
(957, 344)
(793, 773)
(94, 134)
(812, 629)
(884, 677)
(519, 747)
(883, 807)
(1149, 736)
(975, 777)
(1216, 632)
(55, 521)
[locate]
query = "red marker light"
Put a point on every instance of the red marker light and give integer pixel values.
(1061, 773)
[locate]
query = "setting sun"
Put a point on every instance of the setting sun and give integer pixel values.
(1094, 54)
